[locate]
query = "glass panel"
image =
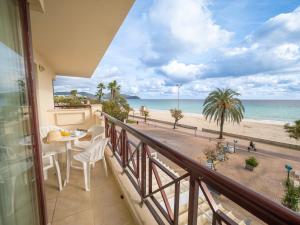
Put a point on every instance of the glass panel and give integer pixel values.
(17, 183)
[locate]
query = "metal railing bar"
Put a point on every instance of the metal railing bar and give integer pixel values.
(164, 169)
(167, 185)
(162, 210)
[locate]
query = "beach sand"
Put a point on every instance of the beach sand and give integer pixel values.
(270, 130)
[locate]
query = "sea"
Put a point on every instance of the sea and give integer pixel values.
(265, 110)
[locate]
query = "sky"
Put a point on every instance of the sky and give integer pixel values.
(252, 47)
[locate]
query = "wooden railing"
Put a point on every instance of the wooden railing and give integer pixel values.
(135, 157)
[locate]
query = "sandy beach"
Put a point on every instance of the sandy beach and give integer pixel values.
(265, 129)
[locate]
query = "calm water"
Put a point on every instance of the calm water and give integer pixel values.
(278, 110)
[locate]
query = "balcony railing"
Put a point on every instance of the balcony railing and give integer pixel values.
(134, 151)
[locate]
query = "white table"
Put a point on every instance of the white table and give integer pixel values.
(68, 142)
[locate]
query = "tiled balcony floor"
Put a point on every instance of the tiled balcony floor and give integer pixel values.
(103, 205)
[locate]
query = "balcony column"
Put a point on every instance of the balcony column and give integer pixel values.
(123, 148)
(143, 172)
(193, 200)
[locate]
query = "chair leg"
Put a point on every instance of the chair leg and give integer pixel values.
(86, 171)
(68, 155)
(57, 173)
(45, 174)
(89, 175)
(105, 166)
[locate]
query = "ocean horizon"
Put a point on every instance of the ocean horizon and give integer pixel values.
(270, 110)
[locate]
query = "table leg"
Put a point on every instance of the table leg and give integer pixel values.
(68, 164)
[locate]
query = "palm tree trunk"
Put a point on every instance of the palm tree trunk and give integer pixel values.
(222, 125)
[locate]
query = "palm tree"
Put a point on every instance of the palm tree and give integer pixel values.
(100, 89)
(222, 105)
(114, 89)
(293, 130)
(74, 93)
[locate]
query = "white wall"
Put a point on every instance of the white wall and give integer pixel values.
(44, 88)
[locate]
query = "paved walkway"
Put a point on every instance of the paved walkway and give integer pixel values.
(265, 149)
(266, 179)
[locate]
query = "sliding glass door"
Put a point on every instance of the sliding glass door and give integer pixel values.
(18, 194)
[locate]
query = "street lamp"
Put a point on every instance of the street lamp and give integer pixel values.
(288, 169)
(234, 144)
(178, 86)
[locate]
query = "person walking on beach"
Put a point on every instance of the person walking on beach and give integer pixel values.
(251, 146)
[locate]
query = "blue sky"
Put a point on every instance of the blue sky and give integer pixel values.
(250, 46)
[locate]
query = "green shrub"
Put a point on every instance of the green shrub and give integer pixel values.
(177, 115)
(291, 196)
(114, 109)
(131, 121)
(251, 161)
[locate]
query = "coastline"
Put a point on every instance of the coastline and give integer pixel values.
(266, 129)
(189, 114)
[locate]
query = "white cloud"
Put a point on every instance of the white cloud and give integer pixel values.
(279, 29)
(251, 86)
(190, 22)
(288, 20)
(287, 51)
(110, 72)
(178, 41)
(235, 51)
(177, 70)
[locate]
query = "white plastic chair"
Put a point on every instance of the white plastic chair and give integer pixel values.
(50, 153)
(93, 153)
(96, 132)
(50, 161)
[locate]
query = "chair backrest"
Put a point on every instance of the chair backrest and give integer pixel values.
(96, 132)
(97, 149)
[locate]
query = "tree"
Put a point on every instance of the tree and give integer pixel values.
(293, 130)
(221, 152)
(211, 156)
(99, 92)
(145, 114)
(291, 196)
(114, 89)
(114, 109)
(222, 105)
(73, 93)
(117, 106)
(22, 88)
(123, 104)
(177, 115)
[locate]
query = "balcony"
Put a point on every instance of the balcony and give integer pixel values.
(104, 204)
(142, 188)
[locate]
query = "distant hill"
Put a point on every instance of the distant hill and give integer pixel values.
(130, 96)
(89, 95)
(107, 96)
(82, 93)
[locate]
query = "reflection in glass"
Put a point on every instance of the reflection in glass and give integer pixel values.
(17, 183)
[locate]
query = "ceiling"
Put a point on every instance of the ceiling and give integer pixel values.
(73, 35)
